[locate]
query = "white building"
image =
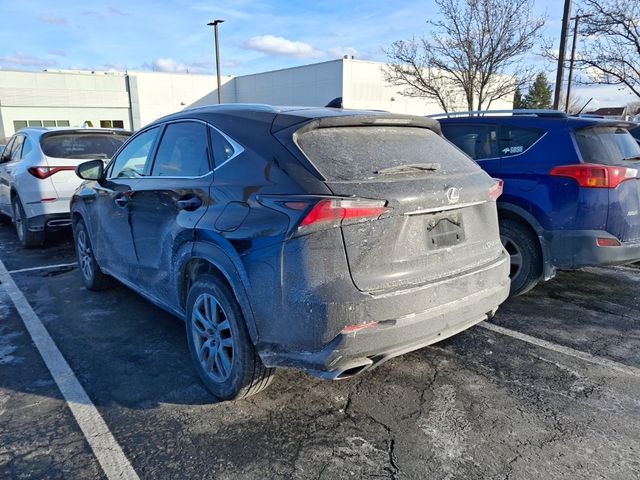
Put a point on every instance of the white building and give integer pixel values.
(132, 100)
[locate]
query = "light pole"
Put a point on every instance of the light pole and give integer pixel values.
(562, 53)
(215, 24)
(573, 58)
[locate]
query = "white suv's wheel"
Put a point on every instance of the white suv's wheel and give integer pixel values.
(28, 239)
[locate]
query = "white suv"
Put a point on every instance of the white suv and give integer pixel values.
(37, 175)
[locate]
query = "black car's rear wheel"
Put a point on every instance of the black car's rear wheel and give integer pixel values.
(219, 343)
(526, 260)
(27, 238)
(92, 276)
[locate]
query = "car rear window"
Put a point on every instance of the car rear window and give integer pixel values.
(358, 153)
(606, 145)
(82, 145)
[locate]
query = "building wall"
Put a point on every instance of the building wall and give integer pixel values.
(73, 97)
(155, 94)
(308, 85)
(138, 98)
(365, 88)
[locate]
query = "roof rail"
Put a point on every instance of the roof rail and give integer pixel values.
(482, 113)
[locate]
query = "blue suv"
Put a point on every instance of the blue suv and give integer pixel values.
(571, 188)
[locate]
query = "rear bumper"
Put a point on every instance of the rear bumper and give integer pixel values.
(49, 222)
(577, 249)
(454, 304)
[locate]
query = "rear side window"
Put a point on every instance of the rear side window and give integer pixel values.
(223, 150)
(606, 145)
(517, 140)
(183, 151)
(478, 141)
(81, 145)
(358, 153)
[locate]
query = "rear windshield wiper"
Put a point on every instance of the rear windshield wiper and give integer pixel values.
(634, 157)
(412, 167)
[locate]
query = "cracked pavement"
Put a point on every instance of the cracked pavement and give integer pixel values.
(480, 405)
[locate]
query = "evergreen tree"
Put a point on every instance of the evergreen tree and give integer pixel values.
(518, 101)
(539, 96)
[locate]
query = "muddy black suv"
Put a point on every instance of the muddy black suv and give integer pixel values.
(319, 239)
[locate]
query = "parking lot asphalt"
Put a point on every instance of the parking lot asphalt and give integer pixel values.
(483, 404)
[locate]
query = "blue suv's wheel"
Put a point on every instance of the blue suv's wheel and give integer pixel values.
(526, 261)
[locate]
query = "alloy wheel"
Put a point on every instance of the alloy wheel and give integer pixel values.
(18, 220)
(84, 254)
(515, 255)
(213, 338)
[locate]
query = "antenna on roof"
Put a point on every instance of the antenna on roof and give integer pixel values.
(335, 103)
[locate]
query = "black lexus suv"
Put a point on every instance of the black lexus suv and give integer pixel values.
(314, 238)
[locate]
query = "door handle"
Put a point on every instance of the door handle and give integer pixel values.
(122, 200)
(189, 203)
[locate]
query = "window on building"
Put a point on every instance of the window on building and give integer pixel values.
(18, 124)
(35, 123)
(48, 123)
(62, 123)
(111, 124)
(183, 151)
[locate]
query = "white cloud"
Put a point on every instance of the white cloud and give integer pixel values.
(272, 45)
(342, 51)
(177, 66)
(52, 19)
(21, 59)
(169, 65)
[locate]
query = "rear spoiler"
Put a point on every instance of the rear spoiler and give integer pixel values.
(284, 121)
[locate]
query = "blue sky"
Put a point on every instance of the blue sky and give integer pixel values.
(257, 35)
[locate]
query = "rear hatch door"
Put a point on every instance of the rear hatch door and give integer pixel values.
(64, 150)
(442, 222)
(613, 145)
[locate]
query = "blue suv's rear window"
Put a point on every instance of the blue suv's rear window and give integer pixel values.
(606, 145)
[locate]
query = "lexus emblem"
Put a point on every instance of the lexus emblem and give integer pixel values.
(453, 194)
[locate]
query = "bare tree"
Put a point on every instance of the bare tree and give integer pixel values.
(611, 54)
(473, 57)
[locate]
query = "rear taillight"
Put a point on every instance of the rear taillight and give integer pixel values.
(46, 172)
(592, 175)
(608, 242)
(496, 189)
(330, 212)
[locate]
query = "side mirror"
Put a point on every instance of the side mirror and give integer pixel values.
(91, 170)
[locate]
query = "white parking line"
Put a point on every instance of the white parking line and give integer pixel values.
(587, 357)
(45, 267)
(114, 463)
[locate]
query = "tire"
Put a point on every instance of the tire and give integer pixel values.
(526, 259)
(92, 276)
(27, 238)
(219, 343)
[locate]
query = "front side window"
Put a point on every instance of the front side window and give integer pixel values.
(183, 151)
(16, 149)
(478, 141)
(517, 140)
(6, 153)
(131, 161)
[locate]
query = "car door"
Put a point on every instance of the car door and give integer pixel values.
(110, 210)
(5, 179)
(166, 205)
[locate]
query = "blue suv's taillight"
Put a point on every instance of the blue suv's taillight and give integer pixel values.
(592, 175)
